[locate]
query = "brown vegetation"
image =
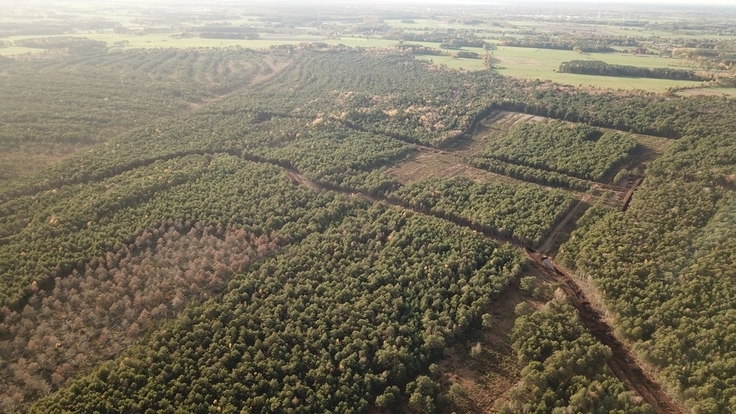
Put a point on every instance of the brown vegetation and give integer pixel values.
(95, 314)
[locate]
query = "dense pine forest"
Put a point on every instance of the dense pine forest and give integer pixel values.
(600, 68)
(243, 230)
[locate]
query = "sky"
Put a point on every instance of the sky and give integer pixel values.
(731, 3)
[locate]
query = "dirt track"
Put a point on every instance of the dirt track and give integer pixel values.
(547, 245)
(622, 361)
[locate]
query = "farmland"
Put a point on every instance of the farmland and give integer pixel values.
(518, 62)
(288, 208)
(122, 29)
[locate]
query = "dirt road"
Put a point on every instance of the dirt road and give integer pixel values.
(622, 361)
(547, 245)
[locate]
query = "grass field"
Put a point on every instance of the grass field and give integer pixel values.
(17, 50)
(543, 63)
(166, 40)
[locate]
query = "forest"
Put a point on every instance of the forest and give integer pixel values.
(436, 290)
(560, 43)
(575, 150)
(600, 68)
(564, 367)
(102, 95)
(232, 229)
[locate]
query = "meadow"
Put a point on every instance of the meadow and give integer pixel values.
(542, 64)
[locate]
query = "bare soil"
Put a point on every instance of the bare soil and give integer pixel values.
(486, 379)
(442, 165)
(299, 179)
(707, 92)
(557, 236)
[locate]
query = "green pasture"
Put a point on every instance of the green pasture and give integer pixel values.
(17, 50)
(543, 64)
(646, 84)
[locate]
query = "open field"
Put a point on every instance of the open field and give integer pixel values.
(656, 144)
(166, 41)
(17, 50)
(543, 64)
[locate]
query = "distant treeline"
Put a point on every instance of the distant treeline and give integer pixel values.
(65, 42)
(452, 41)
(65, 25)
(467, 55)
(425, 50)
(219, 31)
(597, 67)
(229, 35)
(587, 46)
(414, 49)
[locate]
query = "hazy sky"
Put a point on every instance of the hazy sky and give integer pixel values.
(642, 2)
(552, 2)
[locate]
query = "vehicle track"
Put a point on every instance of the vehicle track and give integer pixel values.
(627, 198)
(547, 245)
(622, 362)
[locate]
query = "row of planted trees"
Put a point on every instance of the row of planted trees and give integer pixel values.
(217, 166)
(344, 316)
